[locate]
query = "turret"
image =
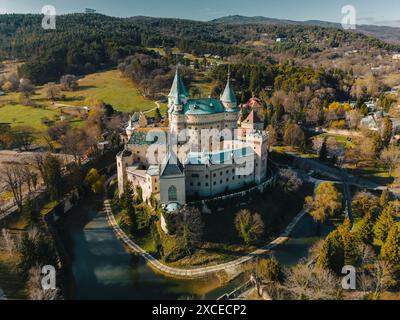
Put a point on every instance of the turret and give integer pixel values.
(228, 98)
(130, 129)
(178, 94)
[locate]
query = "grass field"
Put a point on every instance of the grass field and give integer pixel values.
(18, 115)
(112, 88)
(108, 86)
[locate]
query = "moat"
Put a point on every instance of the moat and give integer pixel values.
(101, 268)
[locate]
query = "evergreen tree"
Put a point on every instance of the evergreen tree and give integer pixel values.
(53, 177)
(128, 205)
(364, 229)
(391, 249)
(323, 152)
(385, 198)
(350, 244)
(332, 253)
(384, 223)
(29, 211)
(387, 131)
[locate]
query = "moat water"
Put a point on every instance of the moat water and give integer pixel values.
(101, 268)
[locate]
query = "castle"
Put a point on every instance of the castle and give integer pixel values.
(203, 153)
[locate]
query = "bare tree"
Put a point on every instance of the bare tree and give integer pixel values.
(311, 283)
(8, 242)
(289, 180)
(390, 157)
(13, 177)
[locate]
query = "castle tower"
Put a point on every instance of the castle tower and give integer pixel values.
(130, 129)
(178, 94)
(228, 98)
(172, 181)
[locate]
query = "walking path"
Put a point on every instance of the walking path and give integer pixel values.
(199, 272)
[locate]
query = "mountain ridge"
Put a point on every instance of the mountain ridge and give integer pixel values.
(386, 33)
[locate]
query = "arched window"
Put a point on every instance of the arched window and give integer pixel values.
(172, 194)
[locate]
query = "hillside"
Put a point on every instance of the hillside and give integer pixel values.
(86, 43)
(384, 33)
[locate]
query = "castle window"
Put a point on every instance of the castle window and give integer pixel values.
(199, 184)
(206, 184)
(172, 194)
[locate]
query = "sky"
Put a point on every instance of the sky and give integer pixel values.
(382, 12)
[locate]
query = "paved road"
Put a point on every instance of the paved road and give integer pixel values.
(199, 272)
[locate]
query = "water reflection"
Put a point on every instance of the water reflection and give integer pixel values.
(102, 269)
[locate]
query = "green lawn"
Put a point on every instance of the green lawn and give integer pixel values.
(25, 116)
(108, 86)
(343, 140)
(112, 88)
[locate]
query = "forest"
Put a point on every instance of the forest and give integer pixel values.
(84, 43)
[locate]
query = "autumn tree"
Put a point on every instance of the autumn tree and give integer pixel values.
(52, 91)
(353, 119)
(363, 203)
(269, 270)
(250, 227)
(326, 202)
(294, 135)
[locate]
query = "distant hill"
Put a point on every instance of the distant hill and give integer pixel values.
(389, 34)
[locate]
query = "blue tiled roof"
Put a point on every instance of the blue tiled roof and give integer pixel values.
(203, 106)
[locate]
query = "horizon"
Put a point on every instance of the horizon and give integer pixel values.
(368, 12)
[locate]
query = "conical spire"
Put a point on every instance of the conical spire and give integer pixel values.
(229, 95)
(178, 89)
